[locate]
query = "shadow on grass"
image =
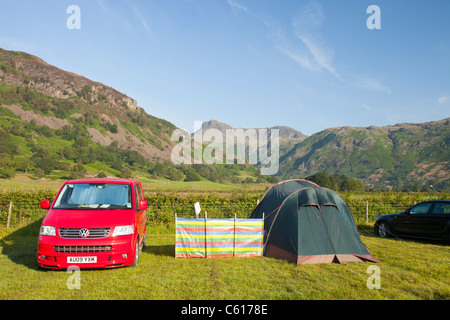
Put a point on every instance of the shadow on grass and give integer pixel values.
(162, 250)
(369, 231)
(366, 230)
(20, 246)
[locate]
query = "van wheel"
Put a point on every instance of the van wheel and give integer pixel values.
(384, 231)
(145, 239)
(136, 254)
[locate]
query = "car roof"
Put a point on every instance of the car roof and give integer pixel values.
(103, 180)
(448, 201)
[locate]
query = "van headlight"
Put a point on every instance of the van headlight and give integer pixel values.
(123, 230)
(47, 231)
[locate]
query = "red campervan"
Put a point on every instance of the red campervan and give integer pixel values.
(93, 223)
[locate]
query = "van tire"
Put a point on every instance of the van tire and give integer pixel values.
(136, 254)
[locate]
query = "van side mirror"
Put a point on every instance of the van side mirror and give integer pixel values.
(143, 205)
(45, 204)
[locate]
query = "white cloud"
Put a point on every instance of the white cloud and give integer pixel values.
(442, 99)
(143, 21)
(306, 27)
(255, 51)
(109, 10)
(366, 106)
(322, 54)
(300, 58)
(239, 6)
(309, 18)
(371, 84)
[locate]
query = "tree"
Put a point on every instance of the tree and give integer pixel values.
(44, 160)
(7, 144)
(126, 173)
(191, 175)
(351, 185)
(337, 182)
(77, 171)
(101, 174)
(39, 173)
(323, 179)
(22, 164)
(7, 170)
(112, 127)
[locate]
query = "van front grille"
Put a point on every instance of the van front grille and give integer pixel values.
(74, 233)
(82, 248)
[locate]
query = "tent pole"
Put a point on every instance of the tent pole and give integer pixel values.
(264, 242)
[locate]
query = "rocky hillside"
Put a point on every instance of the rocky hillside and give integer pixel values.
(403, 155)
(284, 132)
(43, 94)
(57, 124)
(54, 120)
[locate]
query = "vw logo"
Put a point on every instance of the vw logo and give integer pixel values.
(84, 232)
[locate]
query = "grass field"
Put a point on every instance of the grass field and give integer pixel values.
(408, 270)
(23, 182)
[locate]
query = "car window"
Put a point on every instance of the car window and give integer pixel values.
(94, 196)
(421, 208)
(140, 191)
(137, 194)
(441, 208)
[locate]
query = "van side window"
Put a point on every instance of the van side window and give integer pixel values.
(140, 191)
(138, 196)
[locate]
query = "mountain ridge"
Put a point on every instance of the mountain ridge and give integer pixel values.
(284, 131)
(395, 155)
(67, 96)
(40, 102)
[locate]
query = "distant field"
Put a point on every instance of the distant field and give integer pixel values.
(27, 182)
(167, 198)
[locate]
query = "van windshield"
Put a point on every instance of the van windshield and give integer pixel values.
(94, 196)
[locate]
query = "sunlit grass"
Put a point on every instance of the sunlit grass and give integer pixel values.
(408, 270)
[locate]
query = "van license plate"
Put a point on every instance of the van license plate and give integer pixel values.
(92, 259)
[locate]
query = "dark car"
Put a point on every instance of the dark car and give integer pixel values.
(427, 220)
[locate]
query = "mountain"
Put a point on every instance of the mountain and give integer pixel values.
(402, 155)
(58, 124)
(52, 120)
(284, 132)
(38, 92)
(405, 155)
(288, 137)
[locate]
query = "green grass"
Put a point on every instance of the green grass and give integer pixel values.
(99, 166)
(408, 270)
(176, 186)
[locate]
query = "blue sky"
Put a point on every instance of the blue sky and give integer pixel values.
(310, 65)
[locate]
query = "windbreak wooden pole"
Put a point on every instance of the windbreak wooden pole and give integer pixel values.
(367, 211)
(8, 222)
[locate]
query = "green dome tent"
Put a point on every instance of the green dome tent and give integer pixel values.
(308, 224)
